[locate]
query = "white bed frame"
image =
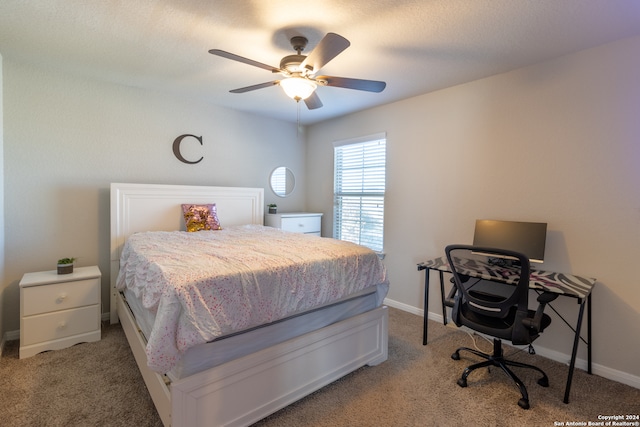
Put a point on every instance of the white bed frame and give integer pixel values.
(245, 390)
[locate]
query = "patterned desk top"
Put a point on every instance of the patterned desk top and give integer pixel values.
(559, 283)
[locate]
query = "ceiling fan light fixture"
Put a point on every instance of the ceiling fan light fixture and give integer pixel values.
(299, 80)
(298, 88)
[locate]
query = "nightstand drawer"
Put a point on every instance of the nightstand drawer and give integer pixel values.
(61, 324)
(60, 296)
(301, 224)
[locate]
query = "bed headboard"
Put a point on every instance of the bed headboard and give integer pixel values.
(155, 207)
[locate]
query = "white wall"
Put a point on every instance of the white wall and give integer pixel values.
(66, 138)
(556, 142)
(2, 243)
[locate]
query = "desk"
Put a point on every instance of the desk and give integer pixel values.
(559, 283)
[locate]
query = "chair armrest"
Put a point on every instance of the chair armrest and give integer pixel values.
(547, 297)
(535, 321)
(450, 299)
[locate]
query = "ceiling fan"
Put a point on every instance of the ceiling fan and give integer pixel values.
(299, 71)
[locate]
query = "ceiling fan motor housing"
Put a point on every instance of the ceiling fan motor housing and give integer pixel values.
(292, 63)
(299, 81)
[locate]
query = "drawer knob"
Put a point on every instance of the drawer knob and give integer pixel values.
(62, 325)
(61, 298)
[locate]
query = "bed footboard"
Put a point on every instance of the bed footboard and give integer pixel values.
(245, 390)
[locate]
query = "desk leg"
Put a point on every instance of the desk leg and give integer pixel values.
(589, 334)
(426, 306)
(444, 310)
(576, 340)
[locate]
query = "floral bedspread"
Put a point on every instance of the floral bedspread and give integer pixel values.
(208, 284)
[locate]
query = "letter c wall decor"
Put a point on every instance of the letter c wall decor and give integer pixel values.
(176, 148)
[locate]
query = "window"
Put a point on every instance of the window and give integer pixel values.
(359, 186)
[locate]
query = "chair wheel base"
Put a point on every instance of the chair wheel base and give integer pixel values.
(523, 403)
(544, 382)
(462, 382)
(455, 356)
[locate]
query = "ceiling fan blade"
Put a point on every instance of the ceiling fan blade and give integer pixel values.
(329, 47)
(254, 87)
(244, 60)
(313, 101)
(357, 84)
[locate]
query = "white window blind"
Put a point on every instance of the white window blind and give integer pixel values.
(279, 181)
(359, 187)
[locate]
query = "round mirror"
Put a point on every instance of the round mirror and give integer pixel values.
(282, 181)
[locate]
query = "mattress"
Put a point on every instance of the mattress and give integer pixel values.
(195, 288)
(227, 348)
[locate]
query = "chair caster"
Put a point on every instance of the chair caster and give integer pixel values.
(544, 382)
(523, 403)
(455, 356)
(462, 382)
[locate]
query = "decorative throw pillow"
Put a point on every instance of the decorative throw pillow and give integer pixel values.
(201, 217)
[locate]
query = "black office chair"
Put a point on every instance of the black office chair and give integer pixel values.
(505, 315)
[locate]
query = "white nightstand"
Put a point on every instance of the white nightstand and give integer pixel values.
(59, 310)
(299, 222)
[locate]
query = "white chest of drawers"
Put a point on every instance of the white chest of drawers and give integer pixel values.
(298, 222)
(59, 310)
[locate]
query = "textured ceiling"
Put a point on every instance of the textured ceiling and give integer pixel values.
(416, 46)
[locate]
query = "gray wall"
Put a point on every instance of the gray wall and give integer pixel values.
(67, 138)
(556, 142)
(2, 251)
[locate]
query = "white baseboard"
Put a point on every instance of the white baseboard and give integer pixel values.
(597, 369)
(403, 307)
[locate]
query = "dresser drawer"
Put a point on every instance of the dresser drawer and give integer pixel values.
(60, 324)
(60, 296)
(301, 224)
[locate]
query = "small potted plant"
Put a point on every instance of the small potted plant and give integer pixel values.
(65, 265)
(273, 208)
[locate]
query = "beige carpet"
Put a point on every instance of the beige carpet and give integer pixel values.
(97, 384)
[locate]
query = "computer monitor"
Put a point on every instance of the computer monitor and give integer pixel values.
(528, 238)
